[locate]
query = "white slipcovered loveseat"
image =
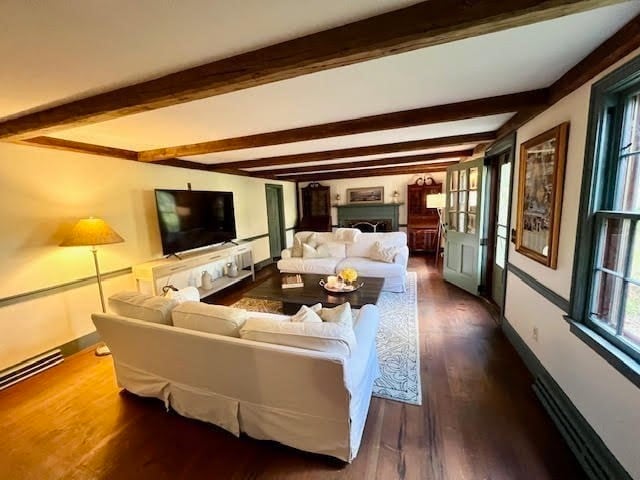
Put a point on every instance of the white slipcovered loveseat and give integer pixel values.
(380, 255)
(309, 399)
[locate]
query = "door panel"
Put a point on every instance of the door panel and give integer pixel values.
(275, 219)
(462, 245)
(502, 228)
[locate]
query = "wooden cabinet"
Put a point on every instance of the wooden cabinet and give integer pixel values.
(422, 222)
(316, 208)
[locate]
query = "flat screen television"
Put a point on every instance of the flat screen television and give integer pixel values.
(191, 219)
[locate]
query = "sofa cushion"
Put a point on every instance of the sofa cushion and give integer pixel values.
(320, 266)
(143, 307)
(306, 314)
(322, 337)
(362, 247)
(382, 253)
(372, 268)
(218, 319)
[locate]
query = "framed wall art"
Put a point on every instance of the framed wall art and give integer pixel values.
(540, 185)
(365, 195)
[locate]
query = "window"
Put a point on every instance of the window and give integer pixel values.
(615, 309)
(606, 281)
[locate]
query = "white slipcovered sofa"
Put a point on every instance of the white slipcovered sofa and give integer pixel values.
(350, 248)
(309, 399)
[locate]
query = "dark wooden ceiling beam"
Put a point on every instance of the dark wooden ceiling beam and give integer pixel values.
(418, 26)
(92, 149)
(612, 50)
(408, 118)
(373, 172)
(382, 162)
(179, 162)
(79, 147)
(362, 151)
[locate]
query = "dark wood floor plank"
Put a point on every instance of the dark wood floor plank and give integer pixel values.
(479, 418)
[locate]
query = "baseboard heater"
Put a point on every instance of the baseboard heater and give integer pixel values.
(593, 455)
(30, 367)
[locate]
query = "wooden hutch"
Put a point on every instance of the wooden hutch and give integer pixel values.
(422, 222)
(316, 208)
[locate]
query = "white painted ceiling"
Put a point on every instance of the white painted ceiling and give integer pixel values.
(56, 51)
(53, 51)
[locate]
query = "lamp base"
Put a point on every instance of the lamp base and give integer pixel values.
(102, 351)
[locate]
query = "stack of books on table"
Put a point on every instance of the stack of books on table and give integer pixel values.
(292, 281)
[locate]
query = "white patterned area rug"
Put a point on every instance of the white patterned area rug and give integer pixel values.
(398, 346)
(397, 342)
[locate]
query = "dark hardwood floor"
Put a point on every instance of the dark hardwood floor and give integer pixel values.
(479, 418)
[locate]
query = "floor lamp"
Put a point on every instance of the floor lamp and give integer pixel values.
(437, 201)
(89, 232)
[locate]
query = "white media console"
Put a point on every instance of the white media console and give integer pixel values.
(187, 270)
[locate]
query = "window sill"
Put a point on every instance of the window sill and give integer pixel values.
(619, 360)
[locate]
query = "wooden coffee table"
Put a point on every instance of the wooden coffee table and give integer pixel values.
(312, 293)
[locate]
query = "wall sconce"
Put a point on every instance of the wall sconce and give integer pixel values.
(395, 196)
(338, 198)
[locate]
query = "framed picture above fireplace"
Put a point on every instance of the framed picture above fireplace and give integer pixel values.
(365, 195)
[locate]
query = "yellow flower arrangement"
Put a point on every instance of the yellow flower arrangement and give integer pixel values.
(348, 275)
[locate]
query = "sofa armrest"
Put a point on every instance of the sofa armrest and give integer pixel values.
(366, 329)
(366, 324)
(286, 253)
(402, 257)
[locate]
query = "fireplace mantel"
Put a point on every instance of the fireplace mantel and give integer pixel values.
(369, 211)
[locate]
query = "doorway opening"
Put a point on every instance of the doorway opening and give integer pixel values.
(477, 222)
(499, 163)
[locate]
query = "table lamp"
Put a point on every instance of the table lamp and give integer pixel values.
(89, 232)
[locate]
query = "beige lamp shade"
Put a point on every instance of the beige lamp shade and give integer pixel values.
(436, 200)
(91, 231)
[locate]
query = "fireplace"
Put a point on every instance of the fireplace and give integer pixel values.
(370, 225)
(378, 217)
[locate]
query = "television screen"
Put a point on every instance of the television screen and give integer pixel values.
(191, 219)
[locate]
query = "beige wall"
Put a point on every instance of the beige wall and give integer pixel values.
(604, 397)
(42, 192)
(389, 182)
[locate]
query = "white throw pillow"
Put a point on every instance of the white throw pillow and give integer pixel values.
(218, 319)
(333, 249)
(187, 294)
(298, 239)
(341, 315)
(347, 235)
(306, 314)
(309, 251)
(316, 308)
(312, 240)
(383, 254)
(142, 307)
(322, 337)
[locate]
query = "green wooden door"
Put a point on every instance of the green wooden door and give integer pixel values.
(275, 219)
(462, 252)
